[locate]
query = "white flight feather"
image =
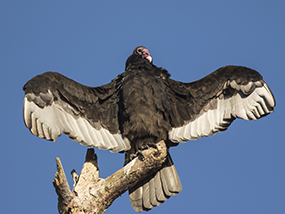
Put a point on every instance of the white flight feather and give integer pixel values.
(257, 104)
(51, 121)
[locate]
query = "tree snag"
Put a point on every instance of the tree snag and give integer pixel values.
(92, 194)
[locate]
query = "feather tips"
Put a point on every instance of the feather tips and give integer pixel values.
(249, 102)
(51, 121)
(55, 104)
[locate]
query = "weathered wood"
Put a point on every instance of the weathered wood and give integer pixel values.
(92, 194)
(62, 188)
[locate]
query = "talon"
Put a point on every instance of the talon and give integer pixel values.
(153, 146)
(132, 156)
(146, 146)
(140, 156)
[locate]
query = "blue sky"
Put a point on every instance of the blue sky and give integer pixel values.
(238, 171)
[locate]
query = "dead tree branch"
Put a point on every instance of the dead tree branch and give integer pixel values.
(92, 194)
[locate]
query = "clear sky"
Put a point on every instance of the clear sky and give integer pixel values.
(238, 171)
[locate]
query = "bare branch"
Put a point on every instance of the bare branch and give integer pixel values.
(62, 188)
(92, 194)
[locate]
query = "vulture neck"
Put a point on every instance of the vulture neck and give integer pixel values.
(136, 60)
(139, 62)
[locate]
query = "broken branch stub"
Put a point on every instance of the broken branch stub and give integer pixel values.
(92, 194)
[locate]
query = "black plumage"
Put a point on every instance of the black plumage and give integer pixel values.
(141, 107)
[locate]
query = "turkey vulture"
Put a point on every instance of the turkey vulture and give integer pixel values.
(141, 107)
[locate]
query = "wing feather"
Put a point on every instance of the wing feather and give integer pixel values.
(215, 101)
(54, 104)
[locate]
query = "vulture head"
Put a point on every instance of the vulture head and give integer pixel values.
(143, 52)
(138, 54)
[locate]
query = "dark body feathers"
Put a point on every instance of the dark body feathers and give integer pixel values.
(150, 102)
(141, 107)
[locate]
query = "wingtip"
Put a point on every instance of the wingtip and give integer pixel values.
(271, 100)
(26, 118)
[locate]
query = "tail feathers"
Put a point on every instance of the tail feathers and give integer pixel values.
(156, 189)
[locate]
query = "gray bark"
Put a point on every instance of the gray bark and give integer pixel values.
(92, 194)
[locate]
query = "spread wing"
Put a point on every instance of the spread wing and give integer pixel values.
(210, 105)
(55, 104)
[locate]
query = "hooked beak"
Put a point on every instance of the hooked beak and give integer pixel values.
(149, 58)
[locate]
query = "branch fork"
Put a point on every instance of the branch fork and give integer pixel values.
(92, 194)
